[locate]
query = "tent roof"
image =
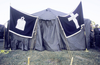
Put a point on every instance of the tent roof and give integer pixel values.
(48, 14)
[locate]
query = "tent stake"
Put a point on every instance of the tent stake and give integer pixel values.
(71, 61)
(28, 60)
(86, 50)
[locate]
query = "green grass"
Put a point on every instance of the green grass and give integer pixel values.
(19, 57)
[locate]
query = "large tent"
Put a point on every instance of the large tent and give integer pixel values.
(49, 35)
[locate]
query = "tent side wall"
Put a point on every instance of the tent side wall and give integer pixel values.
(87, 30)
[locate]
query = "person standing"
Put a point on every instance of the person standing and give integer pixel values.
(97, 36)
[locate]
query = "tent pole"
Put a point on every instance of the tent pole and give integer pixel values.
(8, 34)
(66, 42)
(85, 40)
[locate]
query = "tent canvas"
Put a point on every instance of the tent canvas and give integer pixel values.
(49, 36)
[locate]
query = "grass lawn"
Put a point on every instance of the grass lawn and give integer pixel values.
(19, 57)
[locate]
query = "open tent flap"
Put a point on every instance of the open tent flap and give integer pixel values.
(48, 37)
